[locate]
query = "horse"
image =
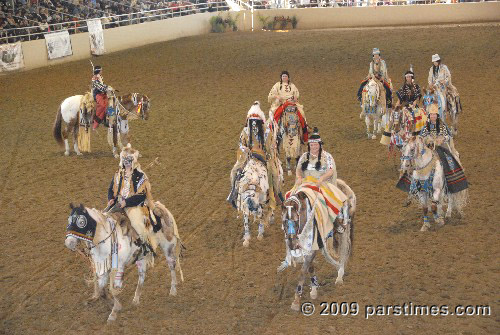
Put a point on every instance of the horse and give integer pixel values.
(111, 244)
(292, 130)
(131, 106)
(301, 228)
(73, 112)
(429, 182)
(372, 107)
(253, 186)
(78, 112)
(448, 101)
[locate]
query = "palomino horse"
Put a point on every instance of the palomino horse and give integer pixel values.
(292, 131)
(78, 111)
(300, 226)
(372, 107)
(111, 246)
(429, 182)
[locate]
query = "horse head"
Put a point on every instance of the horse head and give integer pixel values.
(412, 152)
(136, 106)
(81, 226)
(293, 215)
(371, 93)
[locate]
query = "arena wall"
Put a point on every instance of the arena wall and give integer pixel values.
(122, 38)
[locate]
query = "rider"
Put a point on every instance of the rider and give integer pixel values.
(436, 133)
(316, 162)
(409, 94)
(284, 91)
(99, 92)
(252, 141)
(130, 191)
(440, 80)
(378, 71)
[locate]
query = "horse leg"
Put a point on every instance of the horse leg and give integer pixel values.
(425, 209)
(438, 194)
(66, 146)
(141, 270)
(288, 167)
(314, 278)
(246, 234)
(117, 306)
(75, 139)
(344, 249)
(100, 283)
(297, 161)
(300, 286)
(260, 236)
(367, 122)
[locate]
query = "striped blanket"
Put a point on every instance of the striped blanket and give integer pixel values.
(328, 198)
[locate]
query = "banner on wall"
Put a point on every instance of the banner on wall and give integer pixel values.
(58, 44)
(11, 57)
(96, 37)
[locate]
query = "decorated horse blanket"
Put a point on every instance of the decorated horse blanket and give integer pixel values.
(279, 111)
(327, 201)
(453, 172)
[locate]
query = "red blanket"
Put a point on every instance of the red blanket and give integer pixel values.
(279, 111)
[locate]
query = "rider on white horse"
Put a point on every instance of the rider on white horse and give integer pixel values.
(283, 91)
(440, 80)
(130, 191)
(252, 141)
(378, 71)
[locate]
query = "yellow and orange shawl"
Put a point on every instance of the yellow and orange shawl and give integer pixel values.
(327, 199)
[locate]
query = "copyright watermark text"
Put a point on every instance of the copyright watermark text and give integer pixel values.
(405, 309)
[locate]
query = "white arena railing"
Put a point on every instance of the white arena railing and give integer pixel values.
(77, 26)
(112, 21)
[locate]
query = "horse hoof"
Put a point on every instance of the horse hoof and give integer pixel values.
(66, 153)
(111, 318)
(374, 137)
(314, 293)
(448, 215)
(425, 227)
(260, 237)
(173, 291)
(116, 156)
(289, 172)
(135, 302)
(339, 281)
(79, 154)
(246, 243)
(295, 306)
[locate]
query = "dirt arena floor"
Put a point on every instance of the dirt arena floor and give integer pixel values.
(201, 89)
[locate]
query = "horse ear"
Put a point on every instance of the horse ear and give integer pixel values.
(71, 205)
(81, 207)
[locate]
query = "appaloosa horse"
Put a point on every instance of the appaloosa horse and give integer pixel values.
(301, 230)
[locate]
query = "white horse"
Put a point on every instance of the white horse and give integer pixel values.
(253, 187)
(428, 172)
(372, 108)
(298, 217)
(111, 245)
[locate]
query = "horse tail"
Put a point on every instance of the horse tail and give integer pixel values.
(57, 128)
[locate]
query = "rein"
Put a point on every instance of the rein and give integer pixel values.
(104, 240)
(140, 103)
